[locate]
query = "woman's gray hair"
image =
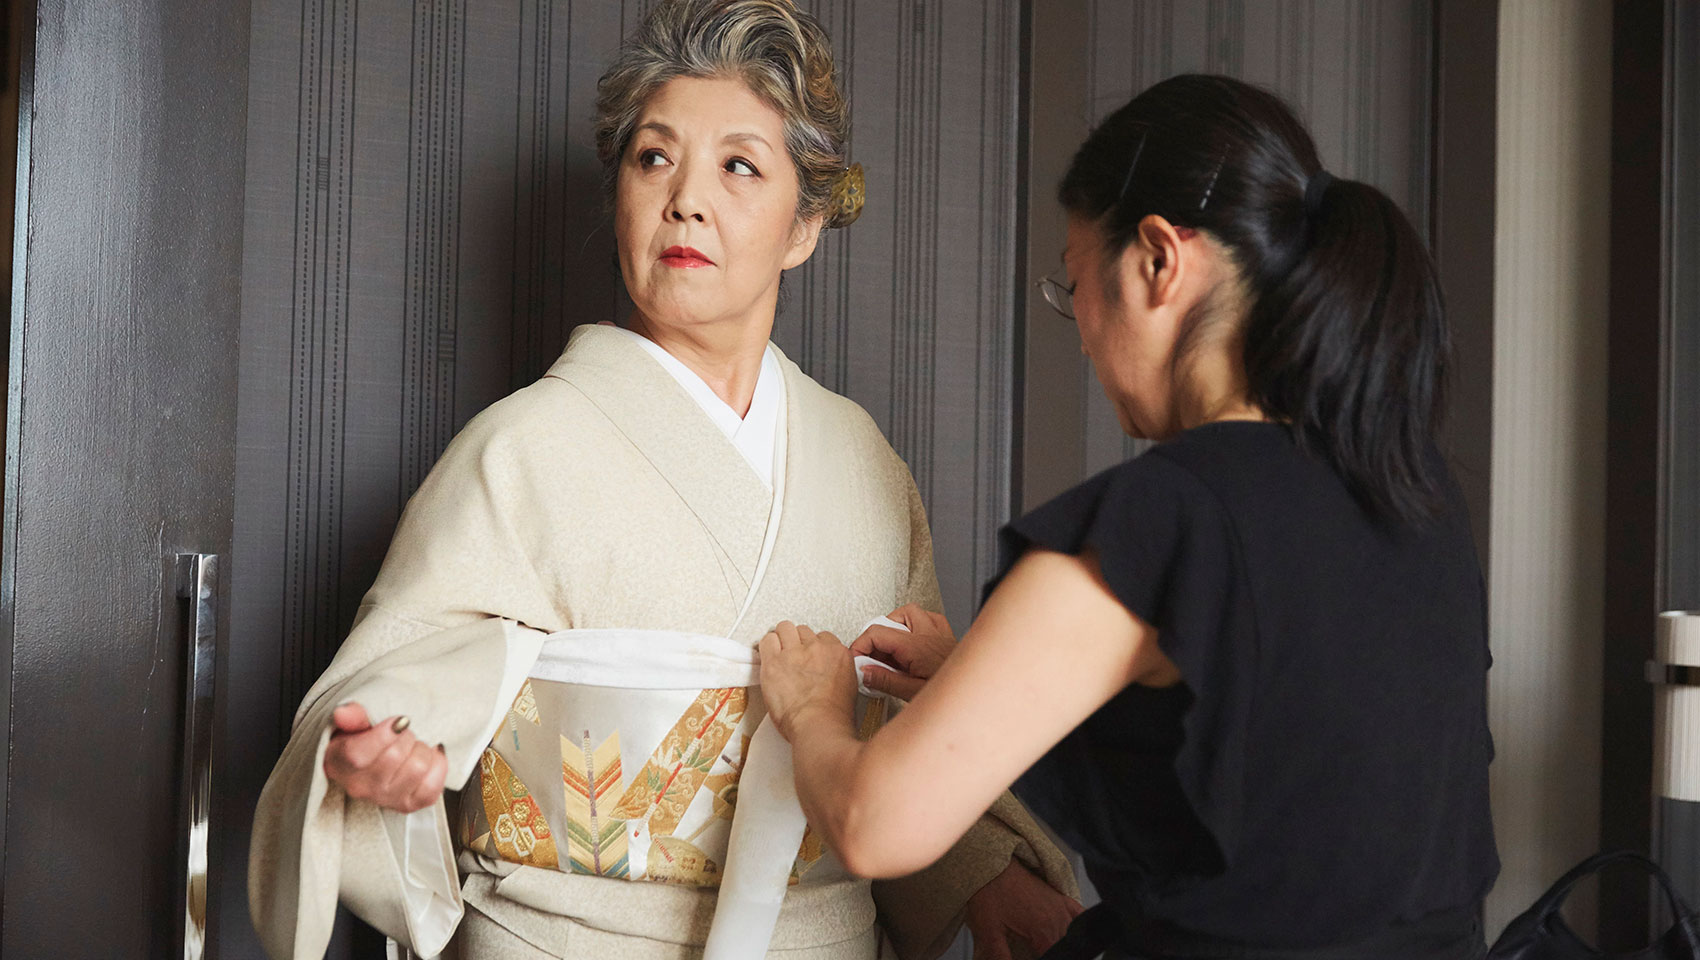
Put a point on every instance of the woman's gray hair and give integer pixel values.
(784, 57)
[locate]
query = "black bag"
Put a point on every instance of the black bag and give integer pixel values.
(1541, 933)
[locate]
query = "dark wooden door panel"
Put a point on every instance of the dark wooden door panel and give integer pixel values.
(121, 452)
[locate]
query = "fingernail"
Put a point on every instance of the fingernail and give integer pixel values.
(401, 723)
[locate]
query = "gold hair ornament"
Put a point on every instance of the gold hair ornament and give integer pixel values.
(849, 192)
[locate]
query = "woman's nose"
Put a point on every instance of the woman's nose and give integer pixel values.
(686, 202)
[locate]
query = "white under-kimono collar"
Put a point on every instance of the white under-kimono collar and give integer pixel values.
(752, 434)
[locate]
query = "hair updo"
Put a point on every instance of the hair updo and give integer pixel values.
(779, 52)
(1345, 340)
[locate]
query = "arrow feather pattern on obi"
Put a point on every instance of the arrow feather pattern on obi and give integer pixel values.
(517, 826)
(663, 789)
(525, 705)
(596, 841)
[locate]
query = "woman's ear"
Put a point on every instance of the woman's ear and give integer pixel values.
(1164, 260)
(804, 236)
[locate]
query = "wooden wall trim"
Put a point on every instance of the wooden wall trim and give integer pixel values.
(1632, 452)
(21, 30)
(1461, 231)
(1023, 247)
(1050, 386)
(1680, 468)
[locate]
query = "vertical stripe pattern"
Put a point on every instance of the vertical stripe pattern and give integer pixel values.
(909, 311)
(433, 233)
(318, 315)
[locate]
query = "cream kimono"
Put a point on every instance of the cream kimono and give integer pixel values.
(567, 606)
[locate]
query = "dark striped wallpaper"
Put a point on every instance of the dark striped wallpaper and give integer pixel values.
(909, 311)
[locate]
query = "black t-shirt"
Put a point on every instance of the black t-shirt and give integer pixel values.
(1321, 775)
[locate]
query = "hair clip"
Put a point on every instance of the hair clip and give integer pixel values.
(1211, 186)
(1133, 164)
(849, 193)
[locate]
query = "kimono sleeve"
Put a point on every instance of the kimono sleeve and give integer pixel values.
(921, 580)
(442, 638)
(312, 845)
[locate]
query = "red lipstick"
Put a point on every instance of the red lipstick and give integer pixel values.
(685, 257)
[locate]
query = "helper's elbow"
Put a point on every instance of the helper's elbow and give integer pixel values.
(874, 839)
(858, 844)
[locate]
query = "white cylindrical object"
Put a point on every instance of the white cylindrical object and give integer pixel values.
(1676, 709)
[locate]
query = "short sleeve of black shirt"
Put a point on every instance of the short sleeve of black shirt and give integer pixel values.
(1166, 548)
(1322, 770)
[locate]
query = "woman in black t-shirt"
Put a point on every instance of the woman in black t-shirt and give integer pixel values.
(1244, 675)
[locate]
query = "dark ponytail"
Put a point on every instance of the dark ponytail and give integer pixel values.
(1346, 338)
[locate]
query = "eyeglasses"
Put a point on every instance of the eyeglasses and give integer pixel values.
(1058, 295)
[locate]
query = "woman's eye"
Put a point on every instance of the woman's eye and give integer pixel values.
(651, 158)
(742, 168)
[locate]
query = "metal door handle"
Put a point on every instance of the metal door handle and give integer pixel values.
(197, 584)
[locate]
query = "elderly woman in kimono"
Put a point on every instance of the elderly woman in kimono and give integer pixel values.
(564, 627)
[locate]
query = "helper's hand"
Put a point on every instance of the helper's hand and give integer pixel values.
(389, 767)
(1017, 905)
(803, 673)
(918, 653)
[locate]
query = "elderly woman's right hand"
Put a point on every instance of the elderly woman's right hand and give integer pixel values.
(917, 653)
(390, 768)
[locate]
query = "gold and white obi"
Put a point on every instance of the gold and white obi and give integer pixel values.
(642, 756)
